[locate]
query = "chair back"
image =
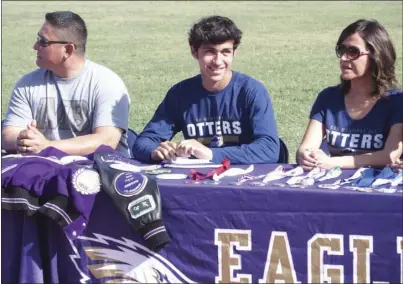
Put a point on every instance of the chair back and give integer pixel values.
(131, 138)
(283, 157)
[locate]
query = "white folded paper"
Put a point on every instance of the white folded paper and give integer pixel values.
(171, 176)
(294, 172)
(233, 172)
(125, 167)
(188, 161)
(277, 174)
(192, 166)
(150, 167)
(333, 173)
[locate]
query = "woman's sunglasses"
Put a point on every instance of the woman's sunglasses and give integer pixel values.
(352, 52)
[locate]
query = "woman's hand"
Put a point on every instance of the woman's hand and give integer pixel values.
(398, 164)
(323, 160)
(305, 159)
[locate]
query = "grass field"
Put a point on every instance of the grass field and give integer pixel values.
(287, 45)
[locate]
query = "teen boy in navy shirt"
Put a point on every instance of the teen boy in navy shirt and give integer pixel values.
(222, 113)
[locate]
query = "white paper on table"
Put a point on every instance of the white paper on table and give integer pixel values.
(316, 172)
(295, 180)
(398, 180)
(192, 166)
(334, 185)
(150, 167)
(294, 172)
(171, 176)
(187, 161)
(277, 174)
(233, 172)
(381, 181)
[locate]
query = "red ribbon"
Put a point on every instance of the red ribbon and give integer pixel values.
(195, 175)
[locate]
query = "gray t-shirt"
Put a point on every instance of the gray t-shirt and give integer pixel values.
(69, 107)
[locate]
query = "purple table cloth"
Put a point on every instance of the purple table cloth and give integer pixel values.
(226, 233)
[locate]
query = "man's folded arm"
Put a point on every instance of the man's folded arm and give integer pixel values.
(87, 144)
(9, 136)
(17, 117)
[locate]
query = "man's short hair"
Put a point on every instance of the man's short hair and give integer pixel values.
(69, 27)
(214, 30)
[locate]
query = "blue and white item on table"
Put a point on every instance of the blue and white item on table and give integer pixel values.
(398, 180)
(333, 173)
(386, 176)
(366, 179)
(354, 177)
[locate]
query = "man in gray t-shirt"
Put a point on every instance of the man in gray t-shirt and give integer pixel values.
(70, 102)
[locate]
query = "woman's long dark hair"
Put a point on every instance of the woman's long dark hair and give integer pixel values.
(382, 55)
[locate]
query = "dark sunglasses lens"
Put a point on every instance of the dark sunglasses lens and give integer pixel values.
(41, 41)
(353, 52)
(340, 50)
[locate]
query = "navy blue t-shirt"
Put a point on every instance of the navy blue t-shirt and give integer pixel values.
(236, 123)
(346, 136)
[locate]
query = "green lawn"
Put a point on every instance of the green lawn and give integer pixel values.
(287, 45)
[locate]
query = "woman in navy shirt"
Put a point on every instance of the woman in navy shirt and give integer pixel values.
(361, 119)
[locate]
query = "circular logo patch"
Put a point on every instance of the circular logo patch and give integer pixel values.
(129, 184)
(86, 181)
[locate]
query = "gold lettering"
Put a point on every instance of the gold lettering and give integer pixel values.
(361, 247)
(226, 239)
(333, 275)
(318, 272)
(279, 265)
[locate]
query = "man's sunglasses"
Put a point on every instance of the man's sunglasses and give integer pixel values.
(352, 52)
(43, 42)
